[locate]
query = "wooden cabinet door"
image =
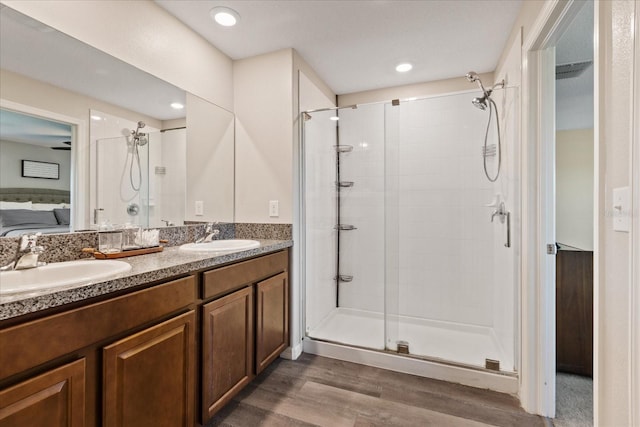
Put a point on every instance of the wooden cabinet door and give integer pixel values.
(227, 345)
(272, 319)
(574, 312)
(149, 376)
(55, 398)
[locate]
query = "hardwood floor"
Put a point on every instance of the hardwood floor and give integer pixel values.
(317, 391)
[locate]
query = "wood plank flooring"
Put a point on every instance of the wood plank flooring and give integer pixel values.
(317, 391)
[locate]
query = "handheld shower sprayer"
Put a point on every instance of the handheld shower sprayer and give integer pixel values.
(482, 102)
(139, 139)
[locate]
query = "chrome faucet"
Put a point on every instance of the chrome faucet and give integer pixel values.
(210, 233)
(27, 254)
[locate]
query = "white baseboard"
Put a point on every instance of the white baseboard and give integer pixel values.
(292, 353)
(424, 368)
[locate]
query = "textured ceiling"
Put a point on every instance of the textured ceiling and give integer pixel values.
(355, 45)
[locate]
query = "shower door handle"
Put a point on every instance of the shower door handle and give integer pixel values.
(508, 244)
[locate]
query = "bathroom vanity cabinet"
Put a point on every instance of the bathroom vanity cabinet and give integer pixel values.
(155, 356)
(103, 363)
(241, 338)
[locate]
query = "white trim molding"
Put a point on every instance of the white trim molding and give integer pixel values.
(635, 236)
(537, 376)
(485, 379)
(79, 157)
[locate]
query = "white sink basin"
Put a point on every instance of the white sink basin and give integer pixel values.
(221, 245)
(59, 274)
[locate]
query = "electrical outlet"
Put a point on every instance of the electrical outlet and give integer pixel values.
(273, 208)
(199, 208)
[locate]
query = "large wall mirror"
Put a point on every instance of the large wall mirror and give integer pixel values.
(128, 147)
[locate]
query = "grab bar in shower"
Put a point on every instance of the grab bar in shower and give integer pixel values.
(345, 183)
(345, 227)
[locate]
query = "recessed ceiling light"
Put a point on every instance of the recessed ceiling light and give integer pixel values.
(177, 106)
(334, 118)
(94, 117)
(225, 16)
(404, 67)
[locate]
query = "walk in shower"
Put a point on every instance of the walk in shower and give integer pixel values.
(408, 247)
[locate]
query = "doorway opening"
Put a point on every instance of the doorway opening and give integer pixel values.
(574, 220)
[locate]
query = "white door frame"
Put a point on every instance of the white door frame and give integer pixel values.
(537, 377)
(79, 157)
(635, 236)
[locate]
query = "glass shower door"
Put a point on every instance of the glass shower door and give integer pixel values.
(450, 278)
(121, 183)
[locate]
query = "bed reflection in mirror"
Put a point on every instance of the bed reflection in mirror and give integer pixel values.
(33, 202)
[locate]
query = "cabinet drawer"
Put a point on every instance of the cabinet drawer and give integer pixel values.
(30, 344)
(226, 279)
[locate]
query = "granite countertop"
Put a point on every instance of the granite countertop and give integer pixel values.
(145, 268)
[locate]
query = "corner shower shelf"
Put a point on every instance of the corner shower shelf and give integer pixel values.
(344, 278)
(345, 227)
(343, 148)
(344, 183)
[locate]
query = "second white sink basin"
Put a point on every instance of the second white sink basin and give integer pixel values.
(59, 274)
(221, 245)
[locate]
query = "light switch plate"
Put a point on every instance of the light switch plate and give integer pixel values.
(622, 209)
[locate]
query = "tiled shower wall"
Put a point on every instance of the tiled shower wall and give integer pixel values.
(445, 265)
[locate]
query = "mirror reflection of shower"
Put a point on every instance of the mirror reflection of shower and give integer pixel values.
(139, 139)
(482, 103)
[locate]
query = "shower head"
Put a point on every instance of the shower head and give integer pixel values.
(139, 138)
(480, 103)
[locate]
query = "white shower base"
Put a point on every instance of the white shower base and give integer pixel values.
(450, 342)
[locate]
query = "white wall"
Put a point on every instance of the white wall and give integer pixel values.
(210, 161)
(170, 188)
(263, 94)
(574, 188)
(613, 250)
(11, 156)
(144, 35)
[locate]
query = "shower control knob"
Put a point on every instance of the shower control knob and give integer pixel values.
(133, 209)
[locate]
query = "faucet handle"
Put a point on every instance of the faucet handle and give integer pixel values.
(28, 241)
